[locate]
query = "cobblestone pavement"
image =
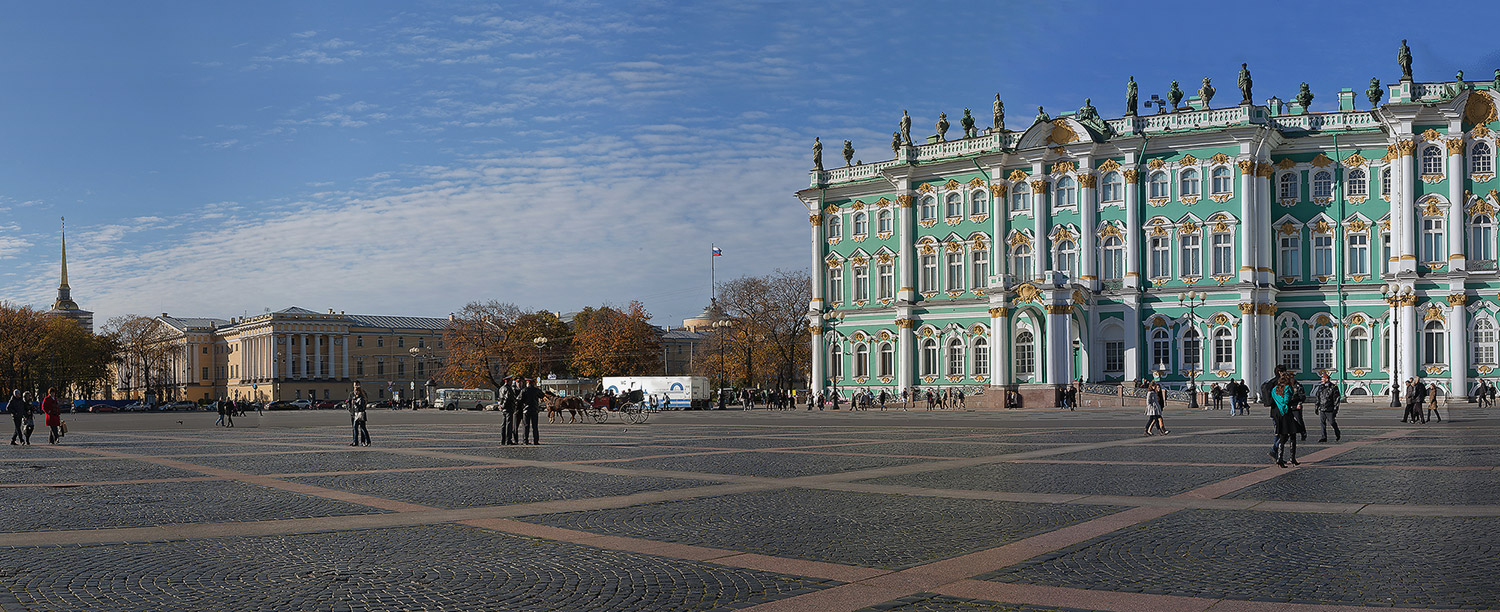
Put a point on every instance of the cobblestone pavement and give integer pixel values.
(1023, 511)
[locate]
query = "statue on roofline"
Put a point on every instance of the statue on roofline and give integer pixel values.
(942, 126)
(848, 153)
(1403, 57)
(1174, 96)
(1130, 97)
(905, 127)
(1000, 109)
(1245, 84)
(1041, 116)
(967, 123)
(1375, 93)
(817, 154)
(1205, 93)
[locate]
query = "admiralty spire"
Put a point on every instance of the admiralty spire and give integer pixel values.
(64, 306)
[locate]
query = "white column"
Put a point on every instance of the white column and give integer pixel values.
(1249, 348)
(275, 365)
(1088, 244)
(1411, 338)
(1265, 238)
(906, 264)
(1041, 215)
(816, 220)
(1404, 185)
(1456, 204)
(1133, 350)
(346, 356)
(999, 345)
(1057, 343)
(1133, 235)
(318, 356)
(286, 356)
(1248, 227)
(302, 364)
(906, 361)
(818, 355)
(1458, 348)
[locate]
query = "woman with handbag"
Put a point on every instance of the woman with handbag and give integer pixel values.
(53, 416)
(358, 416)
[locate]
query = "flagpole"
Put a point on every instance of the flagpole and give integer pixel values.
(713, 283)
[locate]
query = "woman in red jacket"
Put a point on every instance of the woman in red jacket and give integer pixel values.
(53, 416)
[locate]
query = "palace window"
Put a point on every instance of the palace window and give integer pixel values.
(929, 357)
(1192, 255)
(1067, 192)
(836, 284)
(1481, 161)
(1359, 253)
(861, 224)
(1359, 185)
(1289, 186)
(862, 283)
(929, 273)
(955, 357)
(1291, 349)
(1322, 245)
(929, 208)
(883, 222)
(836, 360)
(1020, 197)
(359, 367)
(400, 369)
(1158, 185)
(1114, 258)
(379, 341)
(1434, 344)
(1161, 263)
(955, 271)
(835, 226)
(887, 274)
(1025, 354)
(1114, 354)
(1385, 252)
(1482, 238)
(380, 367)
(1161, 351)
(1483, 344)
(1020, 261)
(1432, 160)
(1223, 182)
(1359, 348)
(861, 360)
(954, 205)
(1385, 182)
(980, 267)
(1291, 256)
(1067, 258)
(887, 360)
(1113, 189)
(981, 357)
(979, 203)
(1433, 250)
(359, 341)
(1322, 185)
(1223, 245)
(1323, 349)
(1223, 349)
(1188, 183)
(1192, 350)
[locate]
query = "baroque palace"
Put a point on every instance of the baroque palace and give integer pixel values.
(1198, 243)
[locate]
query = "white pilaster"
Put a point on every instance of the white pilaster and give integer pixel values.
(1248, 227)
(1404, 183)
(1133, 236)
(1456, 204)
(1088, 244)
(317, 356)
(1458, 350)
(1134, 354)
(819, 353)
(302, 364)
(1410, 341)
(1042, 215)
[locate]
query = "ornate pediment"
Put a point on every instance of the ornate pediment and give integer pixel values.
(1187, 160)
(1431, 135)
(1321, 161)
(1219, 158)
(1109, 165)
(950, 185)
(926, 188)
(1018, 238)
(1156, 164)
(1017, 175)
(976, 182)
(1286, 163)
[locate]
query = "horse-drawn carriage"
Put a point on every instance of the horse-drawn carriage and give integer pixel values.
(630, 405)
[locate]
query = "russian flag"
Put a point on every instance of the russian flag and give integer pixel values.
(718, 252)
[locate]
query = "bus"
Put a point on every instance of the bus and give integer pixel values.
(461, 399)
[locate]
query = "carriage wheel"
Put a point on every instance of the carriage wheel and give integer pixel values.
(641, 416)
(599, 415)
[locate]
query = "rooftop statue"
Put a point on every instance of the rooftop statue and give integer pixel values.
(1000, 110)
(896, 143)
(1496, 85)
(942, 126)
(1041, 116)
(905, 127)
(1205, 93)
(1174, 96)
(1245, 84)
(1375, 92)
(1130, 97)
(1403, 57)
(1088, 111)
(967, 122)
(817, 154)
(848, 153)
(1304, 97)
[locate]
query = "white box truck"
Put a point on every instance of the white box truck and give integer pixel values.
(683, 392)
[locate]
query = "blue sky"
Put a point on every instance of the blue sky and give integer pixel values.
(409, 157)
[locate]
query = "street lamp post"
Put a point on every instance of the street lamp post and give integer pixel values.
(541, 343)
(1395, 295)
(721, 327)
(1193, 299)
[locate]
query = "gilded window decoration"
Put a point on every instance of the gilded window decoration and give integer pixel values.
(1019, 238)
(1187, 160)
(1132, 176)
(1156, 164)
(1286, 163)
(1063, 167)
(1028, 292)
(1219, 158)
(1109, 165)
(1431, 135)
(1321, 161)
(998, 191)
(905, 200)
(1017, 175)
(926, 188)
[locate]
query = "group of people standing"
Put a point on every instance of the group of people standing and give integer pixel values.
(1418, 395)
(522, 406)
(1285, 396)
(22, 408)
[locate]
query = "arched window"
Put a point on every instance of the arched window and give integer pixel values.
(979, 266)
(1482, 238)
(1432, 160)
(1158, 185)
(861, 360)
(1359, 348)
(1322, 186)
(835, 226)
(836, 360)
(1020, 197)
(1481, 161)
(955, 357)
(861, 224)
(1385, 182)
(929, 357)
(883, 222)
(1223, 182)
(955, 205)
(1114, 258)
(1067, 258)
(1113, 189)
(1433, 248)
(1161, 351)
(1323, 349)
(1223, 349)
(887, 360)
(1359, 184)
(981, 357)
(1025, 354)
(1291, 349)
(1188, 183)
(1483, 343)
(979, 202)
(1434, 344)
(1289, 186)
(1020, 261)
(1067, 192)
(929, 208)
(1192, 350)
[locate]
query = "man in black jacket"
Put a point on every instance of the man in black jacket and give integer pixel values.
(510, 409)
(20, 412)
(1326, 404)
(1414, 394)
(531, 405)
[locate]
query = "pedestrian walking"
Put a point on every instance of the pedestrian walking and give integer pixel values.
(1326, 405)
(1432, 404)
(1481, 393)
(531, 405)
(1492, 395)
(1217, 393)
(229, 409)
(1414, 393)
(222, 407)
(1242, 396)
(1155, 398)
(1283, 397)
(359, 415)
(20, 412)
(961, 404)
(52, 414)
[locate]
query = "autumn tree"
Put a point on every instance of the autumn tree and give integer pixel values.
(490, 341)
(38, 351)
(765, 343)
(144, 351)
(616, 342)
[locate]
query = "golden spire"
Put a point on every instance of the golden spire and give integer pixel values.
(64, 284)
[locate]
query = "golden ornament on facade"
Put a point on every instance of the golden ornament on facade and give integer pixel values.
(815, 219)
(1455, 146)
(881, 203)
(1406, 147)
(815, 329)
(1188, 228)
(1018, 238)
(1087, 181)
(1264, 170)
(904, 200)
(955, 246)
(1017, 175)
(1431, 135)
(1321, 161)
(1431, 209)
(977, 242)
(1158, 231)
(903, 323)
(859, 260)
(1219, 158)
(1355, 160)
(1480, 131)
(1385, 224)
(1481, 207)
(1221, 319)
(1109, 230)
(831, 209)
(1322, 227)
(1357, 319)
(1358, 225)
(1433, 314)
(1265, 309)
(1247, 308)
(1286, 163)
(999, 311)
(1288, 229)
(1131, 176)
(1156, 164)
(926, 249)
(884, 335)
(926, 188)
(1079, 297)
(1064, 166)
(1109, 165)
(1028, 292)
(997, 190)
(1246, 166)
(976, 182)
(1057, 309)
(834, 263)
(950, 185)
(1061, 133)
(1458, 299)
(1061, 234)
(858, 205)
(1221, 227)
(1187, 160)
(1391, 152)
(1039, 187)
(884, 258)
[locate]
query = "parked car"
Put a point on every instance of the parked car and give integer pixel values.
(102, 408)
(383, 404)
(137, 407)
(302, 404)
(280, 405)
(327, 405)
(180, 405)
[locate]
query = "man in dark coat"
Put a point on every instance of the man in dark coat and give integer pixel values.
(20, 412)
(510, 408)
(1414, 395)
(1298, 396)
(1326, 404)
(531, 405)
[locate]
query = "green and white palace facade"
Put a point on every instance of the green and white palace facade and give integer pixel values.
(1361, 243)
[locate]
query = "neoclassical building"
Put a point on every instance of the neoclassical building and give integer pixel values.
(1201, 242)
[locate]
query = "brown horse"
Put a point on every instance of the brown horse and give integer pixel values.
(555, 405)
